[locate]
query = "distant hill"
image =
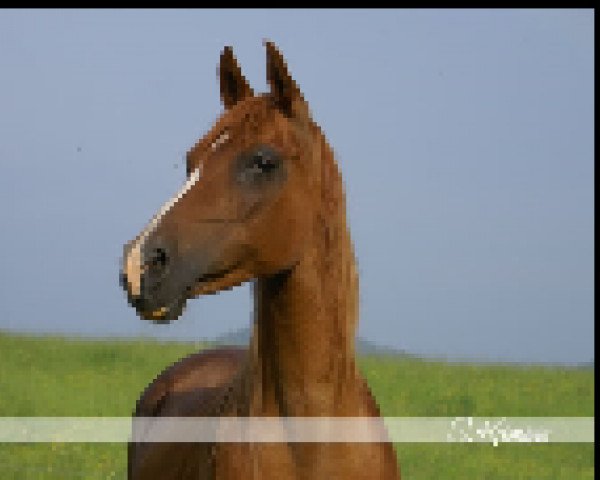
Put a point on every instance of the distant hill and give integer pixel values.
(241, 337)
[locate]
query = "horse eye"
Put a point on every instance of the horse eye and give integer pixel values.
(262, 162)
(259, 166)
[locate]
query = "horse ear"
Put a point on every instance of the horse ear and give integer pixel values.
(234, 86)
(285, 93)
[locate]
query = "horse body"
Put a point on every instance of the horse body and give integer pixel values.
(285, 228)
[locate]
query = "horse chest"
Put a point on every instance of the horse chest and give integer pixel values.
(299, 462)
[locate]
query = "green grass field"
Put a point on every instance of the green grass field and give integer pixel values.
(49, 376)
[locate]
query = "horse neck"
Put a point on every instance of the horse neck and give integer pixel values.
(302, 360)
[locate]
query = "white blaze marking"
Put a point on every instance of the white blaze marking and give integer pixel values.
(221, 139)
(134, 265)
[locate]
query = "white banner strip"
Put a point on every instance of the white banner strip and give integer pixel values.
(493, 430)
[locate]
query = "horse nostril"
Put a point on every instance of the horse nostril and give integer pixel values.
(159, 258)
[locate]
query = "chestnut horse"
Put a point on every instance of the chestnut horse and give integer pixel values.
(263, 201)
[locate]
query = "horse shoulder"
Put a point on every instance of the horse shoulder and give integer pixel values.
(196, 385)
(198, 374)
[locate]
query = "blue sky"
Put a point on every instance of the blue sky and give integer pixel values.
(465, 139)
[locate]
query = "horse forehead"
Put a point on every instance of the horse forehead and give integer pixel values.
(247, 118)
(251, 120)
